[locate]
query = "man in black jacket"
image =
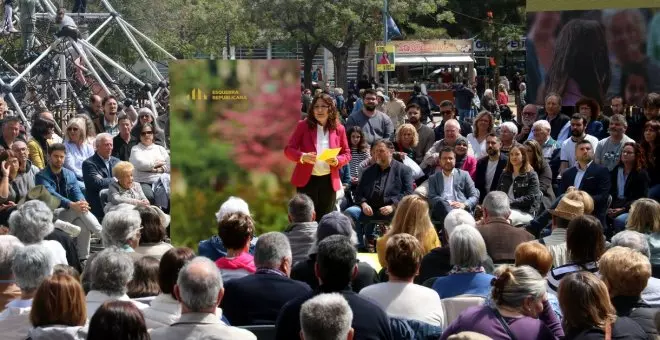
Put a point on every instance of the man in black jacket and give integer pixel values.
(97, 173)
(334, 223)
(590, 177)
(257, 299)
(336, 266)
(449, 112)
(381, 187)
(489, 169)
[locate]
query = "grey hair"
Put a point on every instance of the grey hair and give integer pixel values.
(618, 118)
(301, 208)
(110, 271)
(31, 266)
(339, 90)
(232, 205)
(199, 288)
(553, 95)
(9, 244)
(497, 204)
(120, 226)
(488, 93)
(31, 222)
(454, 123)
(100, 137)
(467, 247)
(458, 217)
(510, 126)
(633, 240)
(638, 18)
(147, 111)
(542, 124)
(525, 281)
(326, 317)
(271, 249)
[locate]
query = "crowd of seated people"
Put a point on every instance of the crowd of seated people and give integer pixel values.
(569, 254)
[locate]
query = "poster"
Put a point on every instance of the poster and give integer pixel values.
(231, 120)
(385, 58)
(598, 53)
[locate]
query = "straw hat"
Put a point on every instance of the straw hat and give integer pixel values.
(568, 209)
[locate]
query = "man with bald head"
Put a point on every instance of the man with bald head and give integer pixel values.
(97, 172)
(95, 108)
(199, 290)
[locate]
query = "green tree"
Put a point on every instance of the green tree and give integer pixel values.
(338, 25)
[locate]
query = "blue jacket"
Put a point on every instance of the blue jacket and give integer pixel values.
(46, 177)
(214, 249)
(97, 177)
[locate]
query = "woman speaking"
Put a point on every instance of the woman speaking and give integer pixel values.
(319, 179)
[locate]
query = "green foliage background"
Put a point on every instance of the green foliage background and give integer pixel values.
(205, 170)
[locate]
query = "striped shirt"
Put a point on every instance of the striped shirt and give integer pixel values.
(356, 158)
(556, 274)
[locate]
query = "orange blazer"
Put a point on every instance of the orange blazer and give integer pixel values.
(303, 140)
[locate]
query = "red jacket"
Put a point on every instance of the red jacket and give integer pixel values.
(304, 140)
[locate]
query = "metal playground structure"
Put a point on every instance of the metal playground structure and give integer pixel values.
(68, 69)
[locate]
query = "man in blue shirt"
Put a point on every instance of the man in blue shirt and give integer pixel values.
(62, 183)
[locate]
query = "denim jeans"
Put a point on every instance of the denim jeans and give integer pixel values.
(464, 114)
(620, 222)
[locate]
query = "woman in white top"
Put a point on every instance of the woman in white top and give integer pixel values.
(165, 309)
(77, 148)
(151, 161)
(483, 125)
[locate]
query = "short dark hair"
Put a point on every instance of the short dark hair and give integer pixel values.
(493, 134)
(123, 117)
(403, 255)
(651, 100)
(56, 147)
(413, 106)
(584, 141)
(446, 103)
(106, 98)
(447, 149)
(593, 105)
(388, 143)
(103, 325)
(153, 230)
(369, 91)
(235, 230)
(301, 208)
(11, 119)
(584, 239)
(336, 258)
(170, 265)
(577, 116)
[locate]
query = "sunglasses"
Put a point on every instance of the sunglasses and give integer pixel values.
(146, 133)
(145, 116)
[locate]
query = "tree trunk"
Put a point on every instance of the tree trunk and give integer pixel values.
(340, 58)
(309, 51)
(363, 51)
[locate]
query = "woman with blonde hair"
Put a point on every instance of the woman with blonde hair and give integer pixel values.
(77, 148)
(411, 217)
(483, 126)
(588, 312)
(124, 189)
(644, 217)
(406, 139)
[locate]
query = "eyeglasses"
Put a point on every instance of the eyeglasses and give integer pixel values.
(145, 116)
(146, 133)
(72, 129)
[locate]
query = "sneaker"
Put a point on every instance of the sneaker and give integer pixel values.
(69, 228)
(13, 30)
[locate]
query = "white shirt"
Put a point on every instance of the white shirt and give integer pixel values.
(407, 301)
(580, 174)
(479, 148)
(491, 168)
(321, 168)
(448, 189)
(568, 149)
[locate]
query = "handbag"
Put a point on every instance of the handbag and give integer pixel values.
(414, 167)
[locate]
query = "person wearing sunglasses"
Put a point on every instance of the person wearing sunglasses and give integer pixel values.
(145, 115)
(150, 160)
(77, 148)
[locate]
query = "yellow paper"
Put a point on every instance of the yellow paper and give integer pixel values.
(327, 154)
